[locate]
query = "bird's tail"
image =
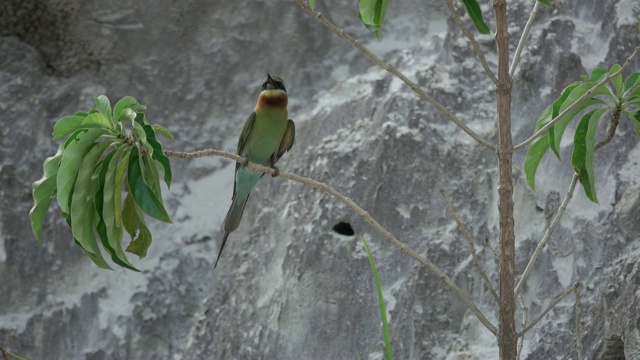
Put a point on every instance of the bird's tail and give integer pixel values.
(232, 221)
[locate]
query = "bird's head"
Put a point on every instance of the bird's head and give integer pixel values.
(273, 82)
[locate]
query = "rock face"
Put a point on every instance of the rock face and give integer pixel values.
(288, 286)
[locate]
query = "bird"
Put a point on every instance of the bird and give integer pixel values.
(265, 136)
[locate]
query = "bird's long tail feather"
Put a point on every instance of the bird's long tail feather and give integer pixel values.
(232, 221)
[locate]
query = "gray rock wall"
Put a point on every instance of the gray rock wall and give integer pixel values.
(288, 286)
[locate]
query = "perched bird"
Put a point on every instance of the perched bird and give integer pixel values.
(266, 135)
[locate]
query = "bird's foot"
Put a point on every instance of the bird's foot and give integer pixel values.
(276, 171)
(245, 162)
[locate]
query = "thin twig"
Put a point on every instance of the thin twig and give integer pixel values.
(494, 251)
(524, 322)
(551, 306)
(523, 39)
(472, 39)
(472, 247)
(358, 210)
(547, 234)
(584, 97)
(413, 86)
(578, 324)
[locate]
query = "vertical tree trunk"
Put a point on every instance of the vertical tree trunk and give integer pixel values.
(507, 339)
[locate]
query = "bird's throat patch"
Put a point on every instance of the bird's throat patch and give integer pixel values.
(272, 98)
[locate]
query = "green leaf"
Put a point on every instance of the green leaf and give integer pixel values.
(77, 147)
(371, 13)
(569, 96)
(133, 222)
(142, 194)
(632, 80)
(557, 131)
(66, 125)
(119, 181)
(163, 131)
(582, 157)
(82, 201)
(312, 3)
(104, 107)
(157, 153)
(112, 236)
(617, 81)
(383, 313)
(538, 148)
(547, 3)
(142, 135)
(96, 120)
(473, 9)
(124, 103)
(636, 120)
(43, 192)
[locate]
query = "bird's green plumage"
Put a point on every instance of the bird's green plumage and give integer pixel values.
(265, 136)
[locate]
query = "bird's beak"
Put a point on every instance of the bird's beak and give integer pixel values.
(270, 83)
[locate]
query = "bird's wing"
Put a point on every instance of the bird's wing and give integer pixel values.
(287, 140)
(244, 134)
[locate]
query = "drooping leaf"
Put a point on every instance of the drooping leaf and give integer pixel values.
(77, 147)
(569, 96)
(112, 240)
(158, 153)
(133, 222)
(104, 108)
(371, 13)
(537, 148)
(82, 202)
(66, 125)
(43, 192)
(124, 103)
(143, 196)
(474, 12)
(582, 157)
(163, 131)
(118, 184)
(557, 131)
(142, 136)
(97, 259)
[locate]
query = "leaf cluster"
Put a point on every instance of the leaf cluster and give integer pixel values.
(107, 152)
(616, 96)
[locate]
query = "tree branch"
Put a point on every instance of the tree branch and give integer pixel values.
(472, 39)
(578, 324)
(524, 323)
(582, 98)
(551, 306)
(547, 234)
(472, 247)
(413, 86)
(523, 38)
(358, 210)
